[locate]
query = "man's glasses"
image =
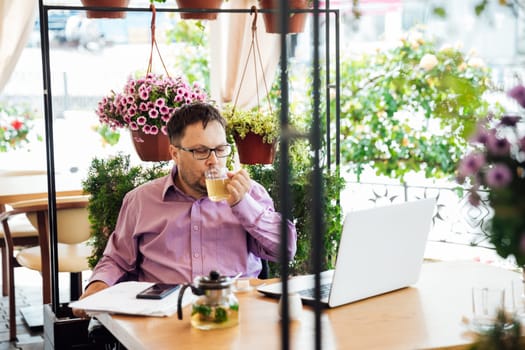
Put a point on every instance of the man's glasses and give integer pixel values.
(221, 151)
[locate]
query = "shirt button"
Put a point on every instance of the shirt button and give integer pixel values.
(196, 255)
(195, 227)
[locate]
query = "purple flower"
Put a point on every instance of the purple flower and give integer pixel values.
(141, 120)
(164, 110)
(498, 146)
(498, 176)
(160, 102)
(471, 164)
(145, 99)
(153, 113)
(144, 94)
(518, 93)
(481, 136)
(154, 130)
(510, 120)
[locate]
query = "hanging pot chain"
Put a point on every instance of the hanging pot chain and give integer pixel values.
(254, 46)
(154, 43)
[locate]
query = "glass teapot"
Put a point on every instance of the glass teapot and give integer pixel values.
(216, 305)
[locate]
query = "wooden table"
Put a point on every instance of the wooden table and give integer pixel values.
(23, 185)
(426, 316)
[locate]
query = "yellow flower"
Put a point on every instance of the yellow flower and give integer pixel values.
(428, 61)
(476, 62)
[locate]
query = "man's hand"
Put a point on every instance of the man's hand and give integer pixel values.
(93, 287)
(239, 185)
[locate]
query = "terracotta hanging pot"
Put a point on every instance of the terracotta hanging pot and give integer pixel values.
(199, 4)
(152, 148)
(252, 149)
(296, 21)
(105, 3)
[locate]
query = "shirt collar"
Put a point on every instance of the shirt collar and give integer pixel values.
(171, 190)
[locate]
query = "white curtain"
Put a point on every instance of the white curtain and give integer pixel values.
(230, 41)
(16, 23)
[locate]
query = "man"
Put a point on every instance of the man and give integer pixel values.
(168, 229)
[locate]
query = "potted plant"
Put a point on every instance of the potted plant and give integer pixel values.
(397, 114)
(296, 21)
(495, 169)
(15, 124)
(197, 4)
(255, 133)
(105, 3)
(144, 107)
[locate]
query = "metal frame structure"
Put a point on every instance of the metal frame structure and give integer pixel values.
(286, 137)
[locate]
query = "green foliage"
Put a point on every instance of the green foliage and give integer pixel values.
(300, 190)
(108, 135)
(410, 108)
(255, 120)
(108, 181)
(192, 49)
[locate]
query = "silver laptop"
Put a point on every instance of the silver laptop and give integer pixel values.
(381, 250)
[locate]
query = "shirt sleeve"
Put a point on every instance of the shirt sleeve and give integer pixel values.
(120, 254)
(257, 215)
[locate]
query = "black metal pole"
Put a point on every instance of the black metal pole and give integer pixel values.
(317, 193)
(284, 12)
(48, 116)
(337, 93)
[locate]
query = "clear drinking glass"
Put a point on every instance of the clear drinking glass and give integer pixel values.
(216, 181)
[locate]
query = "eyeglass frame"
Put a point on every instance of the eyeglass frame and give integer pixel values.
(214, 150)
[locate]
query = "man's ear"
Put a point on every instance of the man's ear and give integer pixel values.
(174, 153)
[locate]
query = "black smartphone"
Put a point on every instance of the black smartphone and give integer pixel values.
(158, 291)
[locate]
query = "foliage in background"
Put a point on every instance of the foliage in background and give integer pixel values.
(410, 108)
(190, 47)
(107, 181)
(300, 189)
(16, 121)
(109, 136)
(482, 6)
(300, 174)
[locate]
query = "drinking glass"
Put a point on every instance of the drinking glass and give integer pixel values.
(216, 181)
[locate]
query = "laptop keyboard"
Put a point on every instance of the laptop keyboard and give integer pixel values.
(325, 291)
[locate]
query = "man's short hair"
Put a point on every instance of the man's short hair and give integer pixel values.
(190, 114)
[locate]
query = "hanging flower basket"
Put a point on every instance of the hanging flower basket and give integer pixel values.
(255, 130)
(146, 105)
(253, 150)
(151, 148)
(105, 3)
(199, 4)
(296, 21)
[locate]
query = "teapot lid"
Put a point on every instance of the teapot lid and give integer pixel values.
(213, 281)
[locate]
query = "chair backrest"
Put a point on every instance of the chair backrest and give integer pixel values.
(72, 216)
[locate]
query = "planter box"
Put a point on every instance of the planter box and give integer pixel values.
(64, 330)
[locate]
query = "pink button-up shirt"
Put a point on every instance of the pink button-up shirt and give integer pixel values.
(164, 235)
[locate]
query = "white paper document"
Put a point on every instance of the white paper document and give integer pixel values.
(122, 299)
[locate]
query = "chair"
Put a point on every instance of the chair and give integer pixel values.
(23, 235)
(73, 231)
